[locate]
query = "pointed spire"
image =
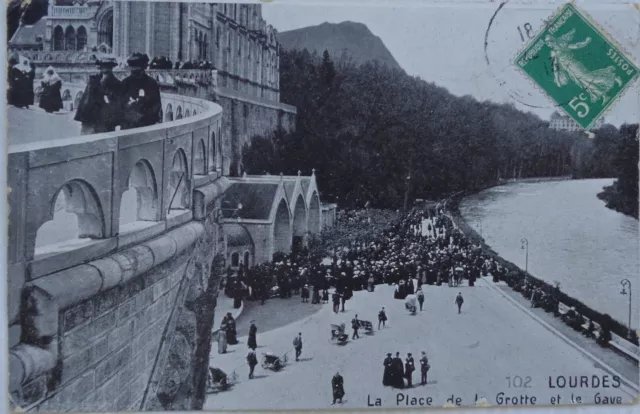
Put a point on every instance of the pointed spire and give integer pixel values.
(281, 176)
(313, 172)
(299, 173)
(244, 174)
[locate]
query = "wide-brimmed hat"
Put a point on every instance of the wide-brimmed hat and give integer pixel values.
(106, 61)
(138, 60)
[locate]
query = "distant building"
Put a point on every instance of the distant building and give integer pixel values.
(565, 123)
(233, 37)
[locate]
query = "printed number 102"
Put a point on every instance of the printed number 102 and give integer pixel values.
(518, 382)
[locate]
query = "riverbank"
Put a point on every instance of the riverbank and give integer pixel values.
(615, 200)
(516, 278)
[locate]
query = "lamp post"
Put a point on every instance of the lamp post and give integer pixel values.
(626, 283)
(525, 246)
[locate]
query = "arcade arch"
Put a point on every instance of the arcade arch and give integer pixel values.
(140, 201)
(282, 229)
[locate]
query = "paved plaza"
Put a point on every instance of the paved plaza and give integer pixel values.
(471, 353)
(34, 124)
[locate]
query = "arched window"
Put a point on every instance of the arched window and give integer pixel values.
(81, 38)
(105, 29)
(179, 112)
(212, 158)
(75, 216)
(139, 202)
(235, 259)
(168, 117)
(70, 38)
(199, 166)
(187, 113)
(246, 260)
(58, 38)
(178, 182)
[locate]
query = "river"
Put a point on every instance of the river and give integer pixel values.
(573, 239)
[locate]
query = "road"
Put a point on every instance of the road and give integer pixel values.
(471, 353)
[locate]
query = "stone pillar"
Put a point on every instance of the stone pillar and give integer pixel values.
(126, 9)
(117, 38)
(150, 30)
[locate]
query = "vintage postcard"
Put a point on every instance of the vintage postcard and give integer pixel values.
(322, 206)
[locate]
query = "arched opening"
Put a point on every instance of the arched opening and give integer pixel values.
(187, 113)
(299, 225)
(235, 259)
(179, 112)
(246, 260)
(168, 114)
(70, 38)
(140, 201)
(212, 153)
(199, 166)
(66, 95)
(105, 29)
(81, 36)
(314, 214)
(282, 229)
(58, 40)
(76, 219)
(179, 183)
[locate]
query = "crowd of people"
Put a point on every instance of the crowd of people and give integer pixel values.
(422, 244)
(163, 62)
(395, 372)
(106, 103)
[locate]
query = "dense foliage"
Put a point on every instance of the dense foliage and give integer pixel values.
(375, 134)
(623, 194)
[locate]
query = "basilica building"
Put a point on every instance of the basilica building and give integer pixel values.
(241, 50)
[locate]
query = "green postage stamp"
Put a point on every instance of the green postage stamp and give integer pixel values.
(581, 70)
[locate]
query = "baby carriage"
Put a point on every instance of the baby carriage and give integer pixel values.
(273, 362)
(366, 325)
(338, 335)
(410, 304)
(218, 380)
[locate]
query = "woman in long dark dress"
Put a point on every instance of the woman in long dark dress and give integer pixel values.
(19, 86)
(253, 331)
(231, 330)
(337, 386)
(50, 98)
(387, 376)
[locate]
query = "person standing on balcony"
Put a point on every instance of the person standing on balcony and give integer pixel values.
(50, 98)
(100, 108)
(141, 97)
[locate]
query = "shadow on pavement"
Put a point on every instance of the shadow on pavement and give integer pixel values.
(274, 314)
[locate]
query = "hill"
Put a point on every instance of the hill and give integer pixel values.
(354, 39)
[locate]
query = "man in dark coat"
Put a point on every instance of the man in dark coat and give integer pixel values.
(382, 318)
(355, 324)
(141, 95)
(398, 372)
(231, 330)
(459, 301)
(337, 386)
(100, 108)
(252, 341)
(409, 367)
(387, 376)
(420, 298)
(252, 360)
(297, 344)
(424, 368)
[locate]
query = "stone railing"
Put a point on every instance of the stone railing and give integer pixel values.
(89, 321)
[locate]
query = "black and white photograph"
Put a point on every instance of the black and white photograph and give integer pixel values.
(321, 205)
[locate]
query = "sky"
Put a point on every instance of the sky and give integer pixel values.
(444, 43)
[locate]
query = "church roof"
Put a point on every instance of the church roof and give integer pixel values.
(26, 35)
(237, 235)
(256, 200)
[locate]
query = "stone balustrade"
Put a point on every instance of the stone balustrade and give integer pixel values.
(87, 317)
